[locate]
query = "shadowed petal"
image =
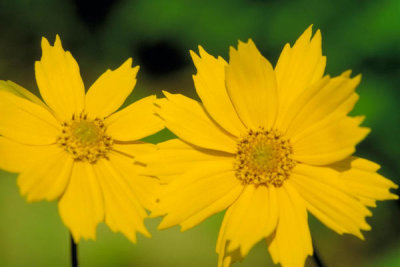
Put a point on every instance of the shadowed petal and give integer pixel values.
(251, 85)
(210, 86)
(175, 157)
(26, 122)
(188, 120)
(207, 189)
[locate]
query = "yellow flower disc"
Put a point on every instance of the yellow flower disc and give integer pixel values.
(85, 139)
(263, 157)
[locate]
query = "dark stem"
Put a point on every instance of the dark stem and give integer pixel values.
(74, 253)
(317, 259)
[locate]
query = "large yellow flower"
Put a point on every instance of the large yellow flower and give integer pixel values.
(269, 145)
(76, 148)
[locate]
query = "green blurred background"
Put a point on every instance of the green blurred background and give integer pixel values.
(361, 35)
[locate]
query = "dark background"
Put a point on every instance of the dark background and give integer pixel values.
(362, 35)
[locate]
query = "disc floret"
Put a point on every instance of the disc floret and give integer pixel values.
(263, 157)
(86, 139)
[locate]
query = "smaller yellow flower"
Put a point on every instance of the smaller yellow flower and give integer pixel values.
(76, 148)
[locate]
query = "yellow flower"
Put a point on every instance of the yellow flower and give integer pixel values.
(268, 145)
(76, 148)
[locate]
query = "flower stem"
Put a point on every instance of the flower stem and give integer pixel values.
(317, 259)
(74, 253)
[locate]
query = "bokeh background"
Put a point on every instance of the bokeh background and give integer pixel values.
(362, 35)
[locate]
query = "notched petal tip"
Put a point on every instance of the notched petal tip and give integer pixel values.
(194, 56)
(359, 119)
(127, 63)
(57, 42)
(45, 45)
(357, 79)
(127, 66)
(250, 41)
(346, 73)
(317, 37)
(79, 236)
(159, 102)
(202, 52)
(246, 45)
(360, 236)
(395, 186)
(164, 224)
(167, 94)
(232, 51)
(152, 97)
(305, 36)
(145, 232)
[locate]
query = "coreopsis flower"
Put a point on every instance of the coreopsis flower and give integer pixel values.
(77, 148)
(268, 145)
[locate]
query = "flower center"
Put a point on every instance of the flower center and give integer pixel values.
(263, 157)
(85, 139)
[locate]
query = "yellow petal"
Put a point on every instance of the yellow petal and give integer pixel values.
(251, 218)
(134, 148)
(251, 85)
(81, 207)
(21, 92)
(329, 199)
(26, 122)
(196, 191)
(337, 95)
(297, 68)
(46, 177)
(145, 188)
(110, 90)
(187, 119)
(363, 182)
(210, 86)
(225, 257)
(292, 241)
(136, 152)
(228, 258)
(59, 80)
(175, 157)
(214, 208)
(135, 122)
(123, 212)
(15, 157)
(330, 140)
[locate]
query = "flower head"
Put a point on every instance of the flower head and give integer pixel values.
(268, 145)
(76, 147)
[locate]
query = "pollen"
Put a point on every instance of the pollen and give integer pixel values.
(263, 157)
(86, 139)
